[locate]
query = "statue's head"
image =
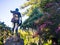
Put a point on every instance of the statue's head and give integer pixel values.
(16, 9)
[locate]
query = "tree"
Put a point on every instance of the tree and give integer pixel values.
(49, 22)
(33, 16)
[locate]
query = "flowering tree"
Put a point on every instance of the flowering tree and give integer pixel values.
(49, 23)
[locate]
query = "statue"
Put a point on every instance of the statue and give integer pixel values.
(16, 20)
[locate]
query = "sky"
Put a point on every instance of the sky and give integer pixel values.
(6, 6)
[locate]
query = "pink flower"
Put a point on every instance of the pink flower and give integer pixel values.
(42, 26)
(49, 5)
(58, 29)
(48, 22)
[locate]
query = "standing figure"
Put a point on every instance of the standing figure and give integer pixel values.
(16, 20)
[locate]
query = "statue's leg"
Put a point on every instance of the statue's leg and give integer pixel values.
(13, 27)
(16, 28)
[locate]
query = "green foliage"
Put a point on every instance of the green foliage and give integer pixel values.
(33, 44)
(4, 31)
(1, 43)
(4, 26)
(33, 16)
(51, 17)
(28, 38)
(31, 4)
